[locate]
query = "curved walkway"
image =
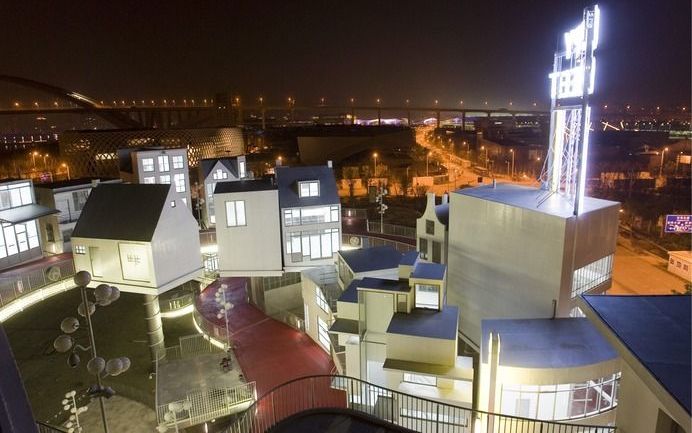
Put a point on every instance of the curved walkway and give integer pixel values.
(269, 352)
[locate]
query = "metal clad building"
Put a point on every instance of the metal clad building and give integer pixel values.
(95, 153)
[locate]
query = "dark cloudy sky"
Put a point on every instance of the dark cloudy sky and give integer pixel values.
(473, 50)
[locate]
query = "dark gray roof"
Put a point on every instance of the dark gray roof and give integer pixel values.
(25, 213)
(421, 322)
(344, 325)
(530, 197)
(371, 259)
(122, 211)
(263, 184)
(656, 330)
(207, 165)
(383, 284)
(429, 271)
(288, 177)
(442, 212)
(409, 258)
(351, 292)
(75, 183)
(546, 343)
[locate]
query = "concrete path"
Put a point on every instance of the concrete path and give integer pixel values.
(269, 352)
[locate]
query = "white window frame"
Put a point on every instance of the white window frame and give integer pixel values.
(149, 180)
(309, 188)
(163, 162)
(321, 300)
(179, 181)
(165, 179)
(147, 165)
(242, 169)
(323, 334)
(219, 174)
(80, 249)
(235, 213)
(178, 162)
(419, 304)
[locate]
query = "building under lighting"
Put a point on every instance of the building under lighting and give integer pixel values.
(432, 230)
(215, 170)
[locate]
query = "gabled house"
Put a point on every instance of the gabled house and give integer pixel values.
(214, 170)
(138, 237)
(68, 198)
(432, 230)
(19, 213)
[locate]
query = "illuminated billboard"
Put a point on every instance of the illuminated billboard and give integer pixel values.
(571, 82)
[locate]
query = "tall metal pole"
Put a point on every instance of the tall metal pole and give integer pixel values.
(225, 314)
(92, 342)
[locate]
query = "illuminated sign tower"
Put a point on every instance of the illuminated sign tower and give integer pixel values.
(571, 83)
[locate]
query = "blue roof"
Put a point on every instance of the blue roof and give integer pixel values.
(371, 259)
(287, 179)
(351, 292)
(409, 259)
(426, 323)
(546, 343)
(442, 213)
(656, 330)
(383, 284)
(529, 198)
(429, 271)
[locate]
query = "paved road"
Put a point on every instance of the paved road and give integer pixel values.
(638, 272)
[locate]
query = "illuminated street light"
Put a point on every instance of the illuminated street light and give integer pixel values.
(427, 162)
(512, 152)
(660, 169)
(67, 167)
(374, 157)
(69, 404)
(225, 307)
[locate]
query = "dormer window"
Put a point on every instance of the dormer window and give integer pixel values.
(310, 188)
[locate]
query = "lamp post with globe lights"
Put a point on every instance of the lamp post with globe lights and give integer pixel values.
(69, 403)
(171, 416)
(104, 295)
(223, 311)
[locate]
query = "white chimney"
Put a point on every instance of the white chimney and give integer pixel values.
(329, 163)
(445, 198)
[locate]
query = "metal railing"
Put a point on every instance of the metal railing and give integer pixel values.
(13, 287)
(209, 328)
(391, 229)
(405, 410)
(47, 428)
(207, 237)
(368, 241)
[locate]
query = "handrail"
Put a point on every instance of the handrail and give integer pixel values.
(418, 413)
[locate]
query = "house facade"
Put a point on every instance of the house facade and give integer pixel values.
(215, 170)
(432, 234)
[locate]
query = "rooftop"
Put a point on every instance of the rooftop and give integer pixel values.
(546, 343)
(429, 271)
(382, 284)
(122, 211)
(350, 294)
(530, 197)
(426, 323)
(207, 165)
(287, 179)
(246, 185)
(656, 330)
(371, 259)
(25, 213)
(72, 183)
(409, 258)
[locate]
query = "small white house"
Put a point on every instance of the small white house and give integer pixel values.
(432, 230)
(212, 171)
(68, 198)
(139, 237)
(679, 263)
(19, 236)
(157, 165)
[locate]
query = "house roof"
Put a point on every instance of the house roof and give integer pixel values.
(429, 271)
(78, 183)
(350, 294)
(207, 165)
(371, 259)
(122, 211)
(421, 322)
(287, 179)
(409, 258)
(532, 199)
(383, 284)
(656, 330)
(245, 185)
(25, 213)
(442, 213)
(546, 343)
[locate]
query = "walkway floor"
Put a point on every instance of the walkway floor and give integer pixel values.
(268, 351)
(24, 268)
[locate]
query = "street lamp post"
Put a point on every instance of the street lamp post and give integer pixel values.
(374, 157)
(33, 158)
(67, 167)
(381, 206)
(223, 311)
(486, 156)
(103, 295)
(512, 152)
(427, 163)
(660, 168)
(69, 403)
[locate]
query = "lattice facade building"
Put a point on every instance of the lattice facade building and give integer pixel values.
(95, 153)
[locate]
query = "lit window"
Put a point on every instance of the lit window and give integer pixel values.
(235, 213)
(178, 162)
(163, 163)
(323, 333)
(321, 301)
(149, 179)
(179, 180)
(241, 169)
(309, 188)
(173, 203)
(184, 200)
(219, 174)
(166, 178)
(592, 275)
(428, 296)
(148, 164)
(79, 249)
(420, 379)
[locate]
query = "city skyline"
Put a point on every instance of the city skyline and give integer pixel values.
(470, 52)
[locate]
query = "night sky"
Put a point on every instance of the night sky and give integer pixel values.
(472, 50)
